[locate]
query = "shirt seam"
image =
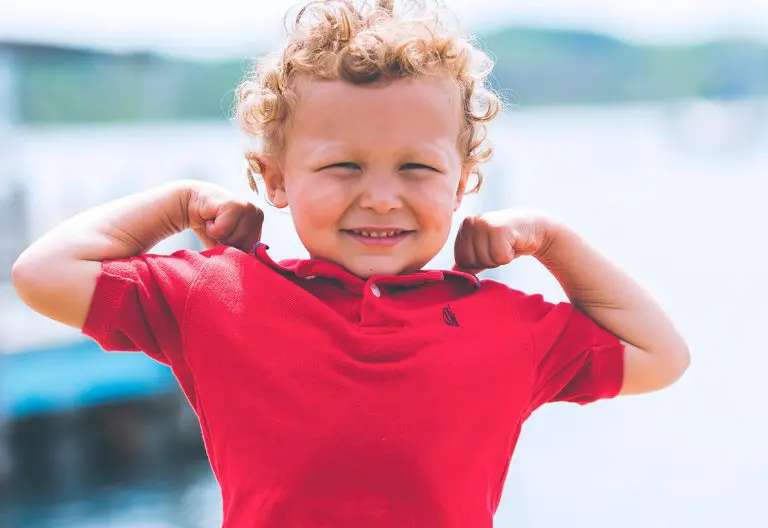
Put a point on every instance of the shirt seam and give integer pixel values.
(104, 319)
(607, 349)
(530, 352)
(185, 320)
(110, 323)
(198, 405)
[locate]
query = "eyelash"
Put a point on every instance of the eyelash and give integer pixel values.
(345, 165)
(420, 166)
(407, 166)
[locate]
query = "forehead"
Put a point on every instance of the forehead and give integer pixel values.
(410, 109)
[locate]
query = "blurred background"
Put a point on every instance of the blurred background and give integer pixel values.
(645, 126)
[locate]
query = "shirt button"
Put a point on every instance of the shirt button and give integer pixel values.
(375, 290)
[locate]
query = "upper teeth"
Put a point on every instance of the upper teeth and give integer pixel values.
(376, 234)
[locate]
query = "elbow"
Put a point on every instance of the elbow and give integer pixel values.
(681, 363)
(676, 364)
(18, 272)
(27, 278)
(21, 276)
(653, 371)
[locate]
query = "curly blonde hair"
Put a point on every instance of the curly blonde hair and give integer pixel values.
(363, 44)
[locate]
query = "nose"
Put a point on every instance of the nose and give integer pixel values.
(381, 193)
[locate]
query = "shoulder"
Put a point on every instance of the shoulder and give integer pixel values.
(215, 267)
(226, 271)
(514, 309)
(182, 263)
(528, 305)
(527, 310)
(221, 257)
(181, 269)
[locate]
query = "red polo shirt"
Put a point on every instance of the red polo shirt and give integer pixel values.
(326, 400)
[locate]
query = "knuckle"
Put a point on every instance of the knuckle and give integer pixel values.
(498, 231)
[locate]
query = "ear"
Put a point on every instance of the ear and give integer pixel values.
(272, 174)
(466, 172)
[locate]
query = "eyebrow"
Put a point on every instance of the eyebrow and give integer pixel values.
(322, 147)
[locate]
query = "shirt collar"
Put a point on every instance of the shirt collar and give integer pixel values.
(312, 268)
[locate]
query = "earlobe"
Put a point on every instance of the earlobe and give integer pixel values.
(273, 181)
(279, 199)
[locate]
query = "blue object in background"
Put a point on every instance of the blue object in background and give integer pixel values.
(76, 375)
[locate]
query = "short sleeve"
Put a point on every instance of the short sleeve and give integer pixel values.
(139, 304)
(574, 358)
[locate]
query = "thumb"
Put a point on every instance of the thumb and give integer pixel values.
(246, 231)
(222, 225)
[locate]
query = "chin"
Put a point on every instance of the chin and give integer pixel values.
(366, 268)
(369, 267)
(368, 272)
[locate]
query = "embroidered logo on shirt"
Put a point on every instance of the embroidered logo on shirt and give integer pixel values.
(449, 317)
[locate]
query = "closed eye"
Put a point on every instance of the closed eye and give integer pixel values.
(418, 166)
(342, 165)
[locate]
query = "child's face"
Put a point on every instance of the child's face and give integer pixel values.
(372, 174)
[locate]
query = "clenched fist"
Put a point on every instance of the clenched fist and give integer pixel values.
(495, 239)
(218, 217)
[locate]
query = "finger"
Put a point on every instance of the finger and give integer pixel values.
(208, 206)
(463, 252)
(253, 234)
(221, 228)
(248, 231)
(501, 247)
(482, 249)
(223, 225)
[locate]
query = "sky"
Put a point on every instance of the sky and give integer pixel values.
(227, 27)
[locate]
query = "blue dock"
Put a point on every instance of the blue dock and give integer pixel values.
(71, 376)
(48, 368)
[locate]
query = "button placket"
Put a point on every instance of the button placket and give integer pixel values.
(373, 309)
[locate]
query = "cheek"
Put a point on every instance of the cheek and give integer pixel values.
(315, 204)
(436, 205)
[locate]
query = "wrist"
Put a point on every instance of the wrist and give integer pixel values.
(555, 235)
(177, 199)
(138, 222)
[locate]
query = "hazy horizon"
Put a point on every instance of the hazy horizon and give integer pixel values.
(225, 28)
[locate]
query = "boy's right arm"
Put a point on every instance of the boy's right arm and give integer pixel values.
(57, 275)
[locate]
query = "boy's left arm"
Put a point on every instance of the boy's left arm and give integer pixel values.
(655, 354)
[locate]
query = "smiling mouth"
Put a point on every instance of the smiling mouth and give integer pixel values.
(382, 238)
(377, 234)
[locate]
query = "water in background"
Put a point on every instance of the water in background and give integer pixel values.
(675, 195)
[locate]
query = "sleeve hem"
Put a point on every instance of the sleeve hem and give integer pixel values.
(610, 370)
(107, 297)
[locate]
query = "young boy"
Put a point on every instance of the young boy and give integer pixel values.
(356, 388)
